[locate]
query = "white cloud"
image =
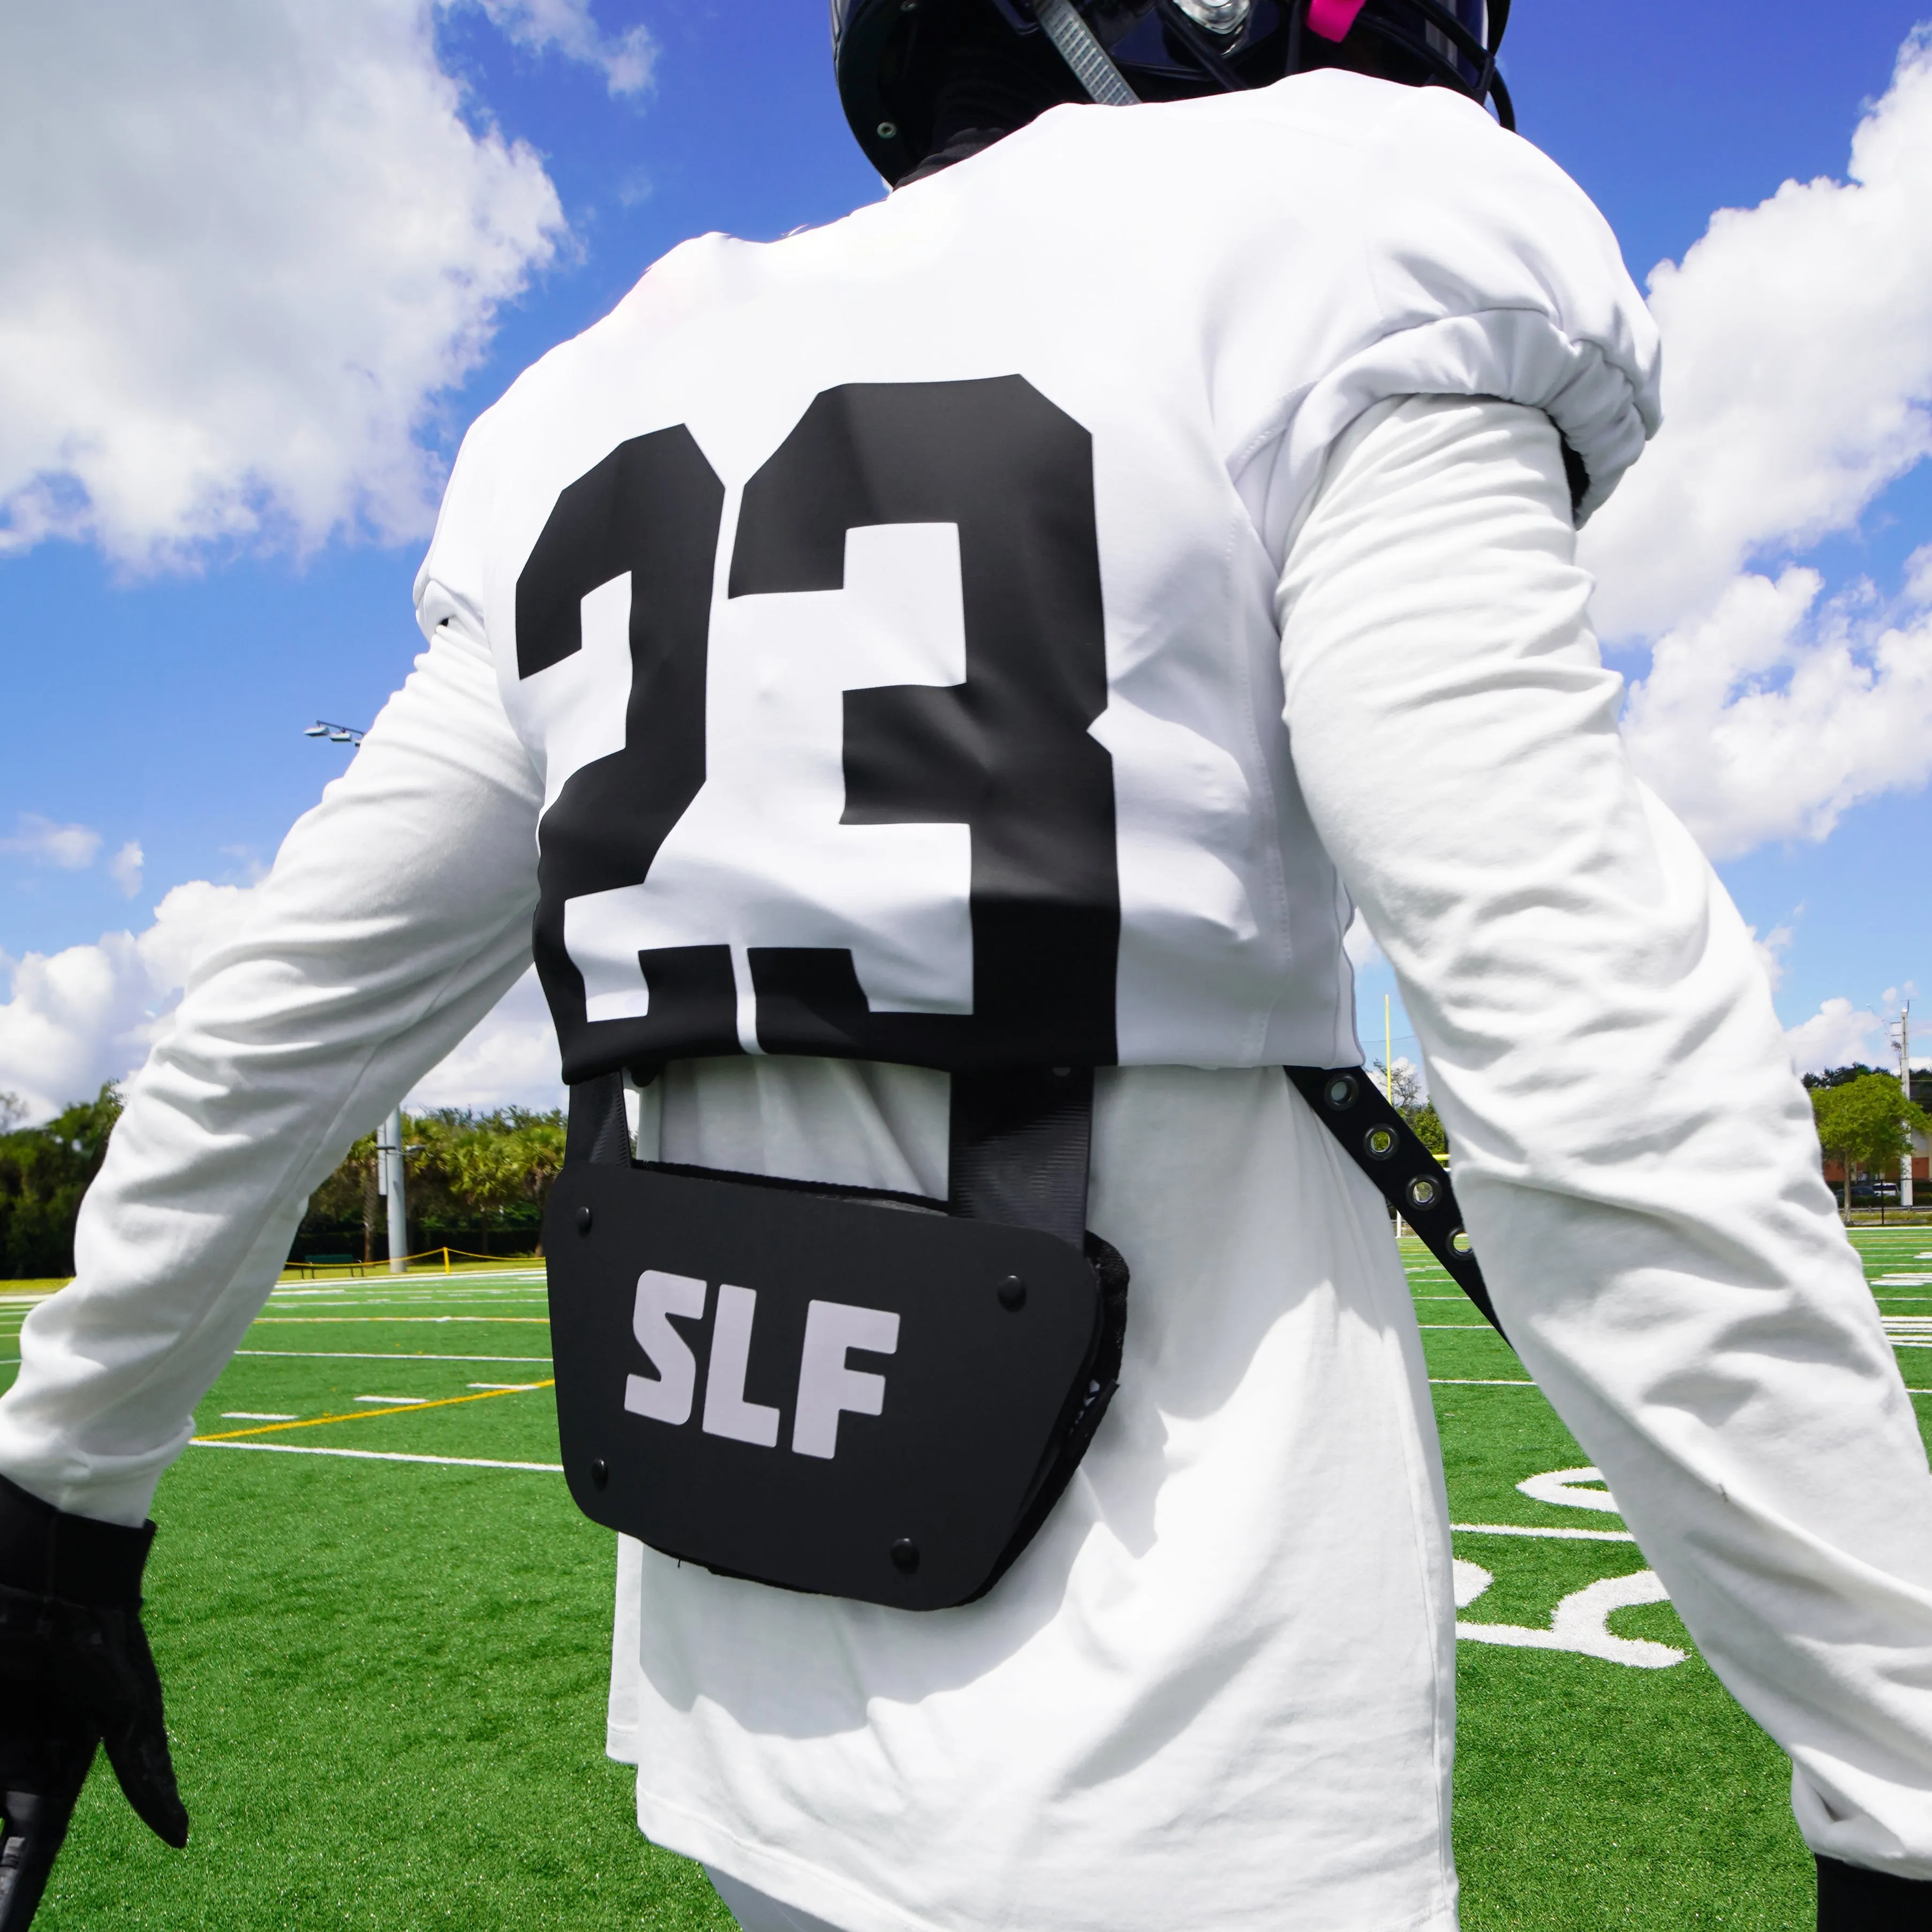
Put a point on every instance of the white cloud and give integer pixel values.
(1836, 1035)
(77, 1017)
(125, 868)
(1798, 369)
(89, 1014)
(1769, 716)
(261, 237)
(1798, 358)
(627, 59)
(71, 848)
(1771, 950)
(509, 1059)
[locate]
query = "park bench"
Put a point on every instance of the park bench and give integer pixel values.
(309, 1265)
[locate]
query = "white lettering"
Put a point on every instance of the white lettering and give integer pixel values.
(726, 1411)
(827, 1387)
(660, 1296)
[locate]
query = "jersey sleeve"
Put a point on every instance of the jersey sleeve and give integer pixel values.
(396, 913)
(1635, 1157)
(1414, 248)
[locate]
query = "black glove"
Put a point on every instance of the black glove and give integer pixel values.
(1850, 1899)
(75, 1672)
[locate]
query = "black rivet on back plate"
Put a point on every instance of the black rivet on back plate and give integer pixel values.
(1012, 1294)
(584, 1218)
(600, 1471)
(905, 1556)
(1340, 1092)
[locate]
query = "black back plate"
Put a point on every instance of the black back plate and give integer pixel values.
(918, 1502)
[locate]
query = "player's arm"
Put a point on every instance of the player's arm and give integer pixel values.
(398, 912)
(1635, 1157)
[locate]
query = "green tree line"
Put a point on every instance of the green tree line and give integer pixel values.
(468, 1176)
(43, 1172)
(1403, 1087)
(487, 1176)
(1864, 1122)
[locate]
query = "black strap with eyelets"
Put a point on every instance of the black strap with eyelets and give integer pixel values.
(1376, 1138)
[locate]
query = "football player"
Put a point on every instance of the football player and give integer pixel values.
(1019, 624)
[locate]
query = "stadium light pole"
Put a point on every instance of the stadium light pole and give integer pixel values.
(389, 1184)
(389, 1143)
(1903, 1030)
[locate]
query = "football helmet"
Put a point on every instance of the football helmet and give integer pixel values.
(894, 57)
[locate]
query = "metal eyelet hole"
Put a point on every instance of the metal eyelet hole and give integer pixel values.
(905, 1554)
(584, 1218)
(1378, 1143)
(1422, 1192)
(1459, 1241)
(1339, 1093)
(889, 131)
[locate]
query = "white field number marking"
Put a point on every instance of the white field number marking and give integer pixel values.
(1566, 1488)
(1580, 1623)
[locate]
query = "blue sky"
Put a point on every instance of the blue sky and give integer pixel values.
(156, 697)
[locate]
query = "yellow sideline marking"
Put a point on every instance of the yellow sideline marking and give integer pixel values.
(366, 1414)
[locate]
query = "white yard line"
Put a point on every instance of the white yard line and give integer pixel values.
(376, 1355)
(1473, 1381)
(1559, 1535)
(253, 1415)
(384, 1456)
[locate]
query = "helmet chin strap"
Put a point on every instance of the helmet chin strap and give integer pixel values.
(1083, 53)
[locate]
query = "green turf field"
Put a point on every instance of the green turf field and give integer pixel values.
(384, 1638)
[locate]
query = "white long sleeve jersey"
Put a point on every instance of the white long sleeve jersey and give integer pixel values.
(1317, 340)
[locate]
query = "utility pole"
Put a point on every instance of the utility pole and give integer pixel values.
(1905, 1087)
(389, 1183)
